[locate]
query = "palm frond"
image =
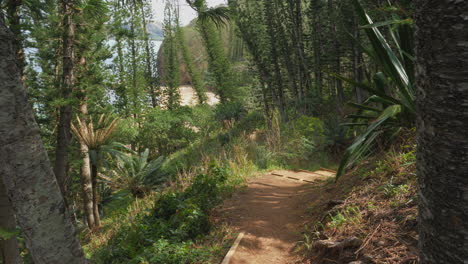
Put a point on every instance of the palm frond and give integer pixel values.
(91, 137)
(218, 16)
(366, 141)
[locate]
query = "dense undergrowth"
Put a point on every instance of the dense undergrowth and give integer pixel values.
(167, 227)
(170, 222)
(369, 215)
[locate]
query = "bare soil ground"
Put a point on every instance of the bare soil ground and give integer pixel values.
(271, 212)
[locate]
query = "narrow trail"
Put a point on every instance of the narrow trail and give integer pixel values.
(271, 213)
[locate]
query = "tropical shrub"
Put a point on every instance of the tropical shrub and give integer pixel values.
(164, 132)
(230, 112)
(136, 173)
(166, 233)
(390, 105)
(311, 128)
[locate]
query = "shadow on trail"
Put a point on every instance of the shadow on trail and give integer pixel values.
(270, 212)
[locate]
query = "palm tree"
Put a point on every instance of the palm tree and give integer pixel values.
(442, 103)
(95, 138)
(26, 172)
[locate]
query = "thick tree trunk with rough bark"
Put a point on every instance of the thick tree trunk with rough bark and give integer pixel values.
(9, 251)
(442, 100)
(64, 131)
(26, 172)
(13, 16)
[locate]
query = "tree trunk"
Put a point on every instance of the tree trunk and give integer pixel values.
(357, 62)
(442, 100)
(26, 172)
(86, 180)
(317, 43)
(9, 252)
(97, 217)
(133, 50)
(65, 116)
(336, 68)
(278, 82)
(149, 71)
(13, 15)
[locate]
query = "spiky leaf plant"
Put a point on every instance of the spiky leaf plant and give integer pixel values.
(95, 136)
(137, 173)
(390, 105)
(218, 15)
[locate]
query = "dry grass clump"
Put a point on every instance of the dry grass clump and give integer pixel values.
(376, 204)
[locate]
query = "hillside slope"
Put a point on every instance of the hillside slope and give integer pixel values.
(369, 215)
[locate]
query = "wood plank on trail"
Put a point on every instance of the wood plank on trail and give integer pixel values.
(302, 175)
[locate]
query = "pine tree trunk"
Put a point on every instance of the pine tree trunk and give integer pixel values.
(149, 70)
(336, 67)
(97, 217)
(86, 180)
(133, 50)
(279, 94)
(442, 100)
(9, 252)
(65, 116)
(26, 172)
(318, 53)
(357, 63)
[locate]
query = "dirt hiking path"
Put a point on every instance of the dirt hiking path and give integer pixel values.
(271, 212)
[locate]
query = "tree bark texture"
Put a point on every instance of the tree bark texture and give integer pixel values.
(13, 15)
(86, 180)
(65, 116)
(94, 175)
(442, 156)
(26, 172)
(9, 251)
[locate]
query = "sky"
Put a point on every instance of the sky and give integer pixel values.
(186, 13)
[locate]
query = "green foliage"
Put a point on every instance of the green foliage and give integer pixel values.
(136, 173)
(390, 190)
(171, 55)
(348, 215)
(231, 111)
(165, 132)
(392, 90)
(127, 131)
(195, 75)
(219, 65)
(166, 234)
(165, 252)
(312, 128)
(6, 234)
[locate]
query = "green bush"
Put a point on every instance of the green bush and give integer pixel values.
(311, 128)
(187, 212)
(230, 111)
(166, 131)
(166, 234)
(165, 252)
